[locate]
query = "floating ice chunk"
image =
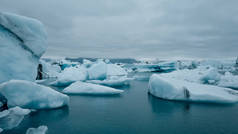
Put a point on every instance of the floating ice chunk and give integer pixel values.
(22, 42)
(31, 95)
(172, 89)
(112, 82)
(115, 70)
(12, 118)
(39, 130)
(91, 89)
(1, 130)
(195, 75)
(98, 71)
(70, 75)
(30, 31)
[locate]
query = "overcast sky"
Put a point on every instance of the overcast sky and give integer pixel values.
(135, 28)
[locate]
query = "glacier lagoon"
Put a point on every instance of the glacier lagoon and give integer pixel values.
(133, 112)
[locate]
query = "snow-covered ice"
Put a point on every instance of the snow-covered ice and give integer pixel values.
(205, 75)
(30, 95)
(22, 42)
(90, 89)
(29, 30)
(12, 118)
(172, 89)
(39, 130)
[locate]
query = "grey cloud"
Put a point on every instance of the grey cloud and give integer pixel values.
(135, 28)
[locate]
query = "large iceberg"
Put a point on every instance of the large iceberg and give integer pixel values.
(30, 95)
(39, 130)
(22, 42)
(12, 118)
(172, 89)
(90, 89)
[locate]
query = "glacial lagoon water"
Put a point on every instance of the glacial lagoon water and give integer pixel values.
(133, 112)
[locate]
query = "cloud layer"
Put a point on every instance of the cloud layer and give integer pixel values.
(135, 28)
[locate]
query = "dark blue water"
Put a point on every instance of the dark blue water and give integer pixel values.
(133, 112)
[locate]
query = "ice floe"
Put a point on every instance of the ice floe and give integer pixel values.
(30, 95)
(90, 89)
(172, 89)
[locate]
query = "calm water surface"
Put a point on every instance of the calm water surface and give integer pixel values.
(133, 112)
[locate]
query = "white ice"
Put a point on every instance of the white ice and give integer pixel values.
(90, 89)
(29, 30)
(30, 95)
(50, 70)
(12, 118)
(172, 89)
(22, 42)
(39, 130)
(98, 71)
(70, 75)
(115, 81)
(205, 75)
(115, 70)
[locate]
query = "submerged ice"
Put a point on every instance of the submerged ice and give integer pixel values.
(12, 118)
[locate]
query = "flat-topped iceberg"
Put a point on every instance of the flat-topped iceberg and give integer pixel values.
(172, 89)
(30, 95)
(205, 75)
(115, 81)
(90, 89)
(22, 42)
(12, 118)
(39, 130)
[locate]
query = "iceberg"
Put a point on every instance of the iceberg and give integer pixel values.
(205, 75)
(115, 70)
(22, 42)
(12, 118)
(98, 71)
(112, 82)
(90, 89)
(49, 70)
(172, 89)
(39, 130)
(70, 75)
(30, 95)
